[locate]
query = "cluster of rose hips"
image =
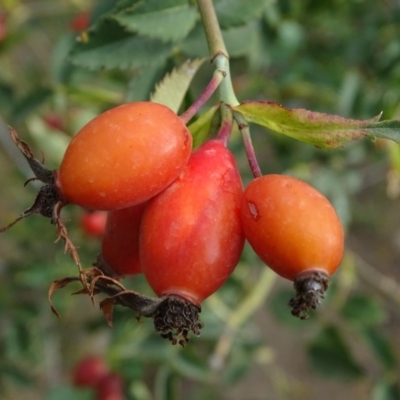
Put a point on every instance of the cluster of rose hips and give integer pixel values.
(181, 217)
(93, 372)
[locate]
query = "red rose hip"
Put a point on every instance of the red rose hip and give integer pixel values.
(123, 157)
(295, 230)
(191, 236)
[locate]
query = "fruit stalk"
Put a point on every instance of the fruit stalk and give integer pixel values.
(248, 145)
(210, 89)
(225, 129)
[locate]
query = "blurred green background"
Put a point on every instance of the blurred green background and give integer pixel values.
(339, 57)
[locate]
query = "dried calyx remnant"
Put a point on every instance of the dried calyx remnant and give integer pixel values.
(310, 289)
(174, 318)
(48, 202)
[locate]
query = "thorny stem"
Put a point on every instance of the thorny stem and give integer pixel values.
(242, 313)
(248, 144)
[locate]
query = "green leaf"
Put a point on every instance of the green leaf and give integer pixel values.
(68, 392)
(29, 103)
(164, 20)
(104, 7)
(330, 356)
(278, 304)
(191, 366)
(238, 12)
(7, 97)
(110, 46)
(386, 391)
(363, 310)
(60, 70)
(322, 130)
(195, 44)
(200, 128)
(382, 347)
(172, 89)
(144, 81)
(238, 40)
(53, 143)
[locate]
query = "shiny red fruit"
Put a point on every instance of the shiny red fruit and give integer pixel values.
(191, 235)
(90, 371)
(93, 223)
(120, 243)
(123, 157)
(291, 226)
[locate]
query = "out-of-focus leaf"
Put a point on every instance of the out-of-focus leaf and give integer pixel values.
(330, 356)
(237, 365)
(195, 44)
(60, 69)
(237, 40)
(103, 7)
(278, 304)
(109, 46)
(143, 82)
(238, 12)
(15, 374)
(165, 20)
(29, 103)
(322, 130)
(69, 393)
(54, 287)
(51, 142)
(363, 310)
(381, 346)
(386, 391)
(172, 89)
(7, 97)
(190, 366)
(200, 128)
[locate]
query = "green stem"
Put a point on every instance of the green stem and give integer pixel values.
(212, 30)
(218, 52)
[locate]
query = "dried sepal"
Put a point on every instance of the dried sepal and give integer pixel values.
(57, 285)
(107, 306)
